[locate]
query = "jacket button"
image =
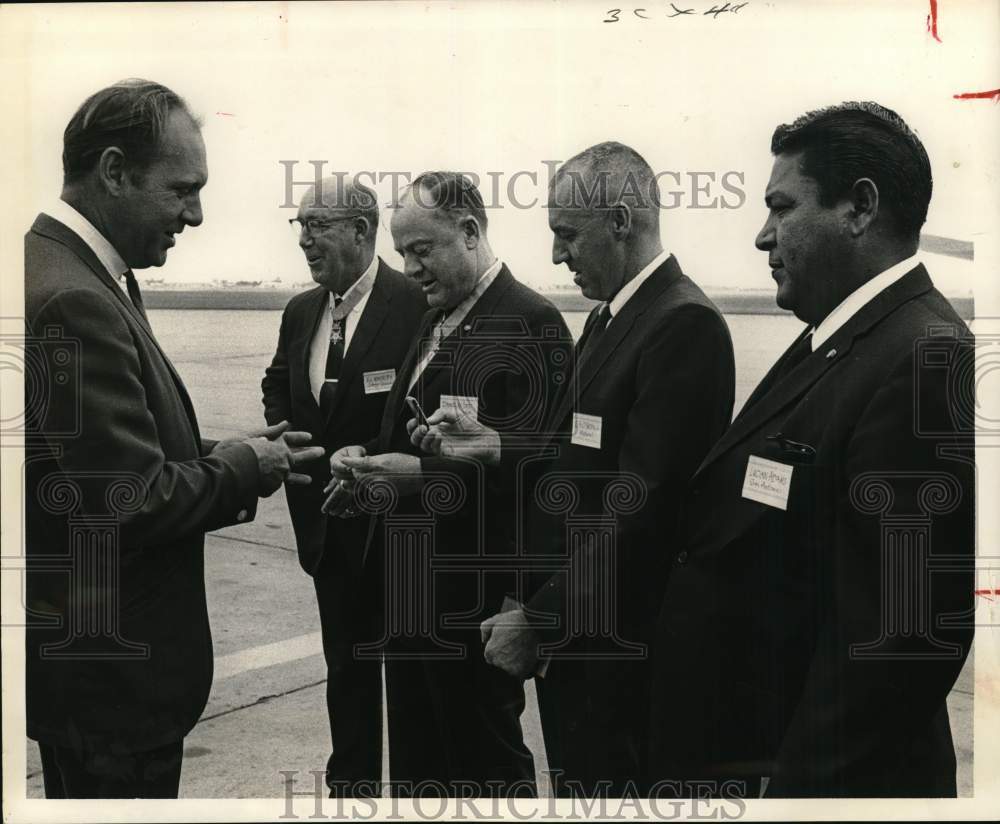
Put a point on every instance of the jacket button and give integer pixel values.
(241, 515)
(682, 557)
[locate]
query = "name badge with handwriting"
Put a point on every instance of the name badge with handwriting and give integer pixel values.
(465, 405)
(586, 430)
(380, 381)
(767, 482)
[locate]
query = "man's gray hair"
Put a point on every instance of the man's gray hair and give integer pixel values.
(343, 194)
(607, 174)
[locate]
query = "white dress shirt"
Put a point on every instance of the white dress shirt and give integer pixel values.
(98, 244)
(630, 288)
(855, 301)
(453, 320)
(320, 345)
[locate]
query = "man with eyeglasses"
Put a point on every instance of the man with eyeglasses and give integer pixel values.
(339, 347)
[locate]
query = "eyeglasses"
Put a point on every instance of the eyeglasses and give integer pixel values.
(314, 226)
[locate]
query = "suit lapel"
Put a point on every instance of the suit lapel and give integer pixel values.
(618, 329)
(369, 325)
(54, 230)
(304, 326)
(772, 375)
(484, 307)
(400, 387)
(565, 386)
(768, 400)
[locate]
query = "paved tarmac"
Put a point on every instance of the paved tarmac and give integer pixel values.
(267, 710)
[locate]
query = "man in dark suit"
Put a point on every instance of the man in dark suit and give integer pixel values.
(819, 608)
(339, 349)
(653, 390)
(494, 348)
(120, 486)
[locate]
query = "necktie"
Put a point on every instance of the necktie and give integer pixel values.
(798, 353)
(132, 285)
(596, 332)
(334, 359)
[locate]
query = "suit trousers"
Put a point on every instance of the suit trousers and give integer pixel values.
(350, 616)
(595, 740)
(70, 773)
(454, 723)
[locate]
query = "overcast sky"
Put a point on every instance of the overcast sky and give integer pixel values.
(501, 88)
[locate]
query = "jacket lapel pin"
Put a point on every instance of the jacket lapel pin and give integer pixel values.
(831, 354)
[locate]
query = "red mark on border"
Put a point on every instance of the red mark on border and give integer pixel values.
(226, 114)
(932, 21)
(987, 593)
(993, 95)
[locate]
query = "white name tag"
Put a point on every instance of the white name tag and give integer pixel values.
(380, 381)
(586, 430)
(466, 406)
(767, 482)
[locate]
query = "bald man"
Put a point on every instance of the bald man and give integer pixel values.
(339, 347)
(653, 391)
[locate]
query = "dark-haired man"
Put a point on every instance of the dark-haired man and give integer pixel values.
(492, 347)
(817, 613)
(120, 486)
(339, 348)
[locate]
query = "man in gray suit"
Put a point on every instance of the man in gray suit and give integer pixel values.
(120, 485)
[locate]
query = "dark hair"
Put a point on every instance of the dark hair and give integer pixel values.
(131, 115)
(451, 192)
(842, 144)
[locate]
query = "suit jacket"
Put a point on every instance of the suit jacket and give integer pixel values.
(511, 353)
(661, 380)
(809, 645)
(383, 335)
(120, 490)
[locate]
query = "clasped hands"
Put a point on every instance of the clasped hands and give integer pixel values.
(351, 465)
(448, 433)
(279, 451)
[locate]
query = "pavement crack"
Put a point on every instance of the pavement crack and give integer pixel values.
(254, 543)
(261, 700)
